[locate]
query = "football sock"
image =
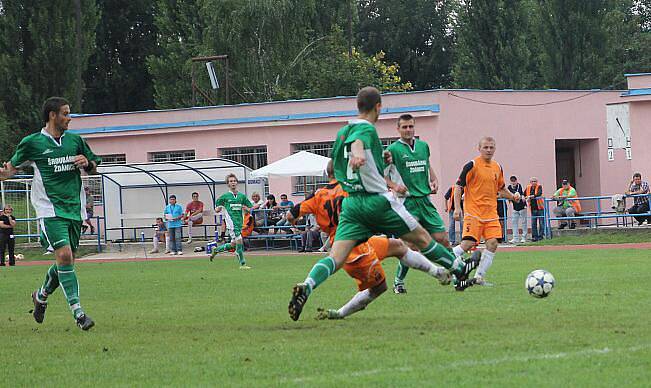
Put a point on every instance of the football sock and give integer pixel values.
(416, 260)
(50, 285)
(319, 273)
(438, 254)
(458, 251)
(239, 252)
(485, 263)
(401, 272)
(70, 286)
(358, 302)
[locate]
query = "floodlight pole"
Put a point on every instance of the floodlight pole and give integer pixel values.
(196, 89)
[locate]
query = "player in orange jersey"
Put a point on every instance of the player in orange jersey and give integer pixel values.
(481, 181)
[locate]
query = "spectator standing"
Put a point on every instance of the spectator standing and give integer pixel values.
(533, 194)
(283, 207)
(519, 216)
(160, 232)
(173, 215)
(452, 233)
(640, 204)
(7, 238)
(90, 206)
(193, 214)
(566, 205)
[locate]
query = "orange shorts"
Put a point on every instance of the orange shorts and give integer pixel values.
(364, 263)
(476, 229)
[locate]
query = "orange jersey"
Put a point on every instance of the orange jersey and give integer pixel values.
(325, 204)
(481, 182)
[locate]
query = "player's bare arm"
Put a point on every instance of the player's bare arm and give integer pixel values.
(457, 203)
(357, 155)
(7, 171)
(433, 180)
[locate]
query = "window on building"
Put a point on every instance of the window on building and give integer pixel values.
(114, 158)
(303, 184)
(171, 156)
(251, 157)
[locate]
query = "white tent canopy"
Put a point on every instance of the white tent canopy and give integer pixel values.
(299, 164)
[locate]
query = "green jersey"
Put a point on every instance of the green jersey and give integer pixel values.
(233, 203)
(370, 177)
(56, 188)
(412, 165)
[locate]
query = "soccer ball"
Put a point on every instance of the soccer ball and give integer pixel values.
(540, 283)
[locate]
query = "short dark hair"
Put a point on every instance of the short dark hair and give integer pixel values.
(53, 104)
(637, 175)
(367, 98)
(405, 117)
(172, 196)
(229, 176)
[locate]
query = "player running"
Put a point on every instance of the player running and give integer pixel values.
(370, 208)
(481, 180)
(233, 202)
(413, 179)
(364, 264)
(57, 157)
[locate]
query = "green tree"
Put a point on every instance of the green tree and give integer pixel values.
(576, 42)
(415, 34)
(117, 78)
(493, 45)
(38, 59)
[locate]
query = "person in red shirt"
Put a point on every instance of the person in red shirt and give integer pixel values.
(481, 181)
(193, 214)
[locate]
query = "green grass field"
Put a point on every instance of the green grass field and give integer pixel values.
(192, 322)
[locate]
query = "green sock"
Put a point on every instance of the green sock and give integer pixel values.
(70, 285)
(50, 284)
(239, 252)
(401, 274)
(438, 254)
(225, 247)
(319, 273)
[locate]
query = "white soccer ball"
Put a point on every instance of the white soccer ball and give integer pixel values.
(540, 283)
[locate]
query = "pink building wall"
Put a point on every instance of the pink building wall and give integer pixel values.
(526, 135)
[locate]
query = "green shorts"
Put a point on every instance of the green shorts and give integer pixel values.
(425, 213)
(364, 215)
(57, 232)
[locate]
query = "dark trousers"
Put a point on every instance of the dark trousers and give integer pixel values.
(639, 209)
(6, 242)
(537, 224)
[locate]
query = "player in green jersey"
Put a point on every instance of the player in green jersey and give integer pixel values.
(370, 208)
(412, 179)
(57, 158)
(231, 204)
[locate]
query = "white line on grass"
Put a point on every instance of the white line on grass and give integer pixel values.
(471, 363)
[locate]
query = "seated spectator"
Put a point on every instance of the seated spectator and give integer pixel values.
(271, 211)
(160, 233)
(566, 206)
(284, 206)
(311, 235)
(193, 214)
(640, 204)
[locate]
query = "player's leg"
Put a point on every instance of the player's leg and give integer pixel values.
(413, 259)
